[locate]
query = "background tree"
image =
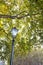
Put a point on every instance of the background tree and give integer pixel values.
(25, 15)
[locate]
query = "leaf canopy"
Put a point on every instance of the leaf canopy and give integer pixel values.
(30, 27)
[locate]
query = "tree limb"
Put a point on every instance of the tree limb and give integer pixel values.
(13, 17)
(18, 16)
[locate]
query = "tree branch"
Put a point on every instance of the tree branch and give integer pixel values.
(13, 17)
(18, 16)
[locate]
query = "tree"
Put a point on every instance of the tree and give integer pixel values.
(27, 16)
